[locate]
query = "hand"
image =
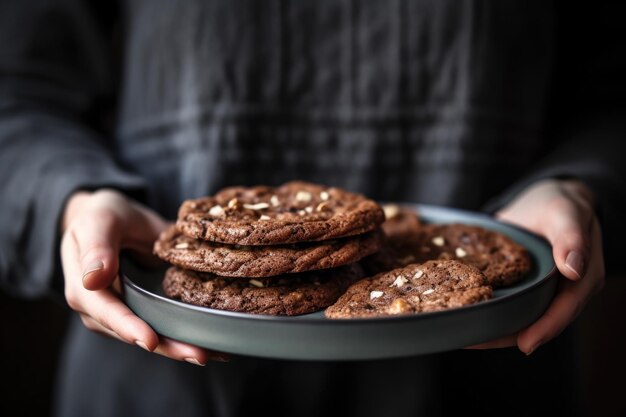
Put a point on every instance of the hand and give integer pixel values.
(96, 226)
(562, 212)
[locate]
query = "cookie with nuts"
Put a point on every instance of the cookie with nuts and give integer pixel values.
(262, 261)
(503, 261)
(291, 213)
(417, 288)
(401, 222)
(299, 294)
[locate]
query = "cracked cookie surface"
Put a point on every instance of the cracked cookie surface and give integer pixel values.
(291, 213)
(417, 288)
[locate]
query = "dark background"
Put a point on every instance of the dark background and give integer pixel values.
(32, 333)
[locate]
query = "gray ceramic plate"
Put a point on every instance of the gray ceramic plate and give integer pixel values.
(313, 337)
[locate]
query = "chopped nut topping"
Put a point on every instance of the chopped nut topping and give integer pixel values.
(391, 210)
(216, 210)
(376, 294)
(438, 241)
(257, 206)
(400, 281)
(308, 209)
(460, 252)
(430, 291)
(398, 306)
(264, 217)
(301, 212)
(303, 196)
(322, 206)
(233, 203)
(274, 201)
(418, 274)
(256, 283)
(324, 196)
(183, 245)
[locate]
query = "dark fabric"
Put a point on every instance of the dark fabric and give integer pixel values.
(103, 377)
(440, 102)
(54, 78)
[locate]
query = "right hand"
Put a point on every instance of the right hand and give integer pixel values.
(95, 227)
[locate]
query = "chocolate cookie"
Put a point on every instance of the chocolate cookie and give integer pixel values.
(417, 288)
(400, 222)
(262, 261)
(499, 258)
(292, 213)
(300, 294)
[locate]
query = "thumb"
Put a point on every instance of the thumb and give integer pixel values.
(98, 239)
(567, 228)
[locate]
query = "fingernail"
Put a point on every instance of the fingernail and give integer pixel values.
(575, 263)
(142, 345)
(92, 266)
(194, 361)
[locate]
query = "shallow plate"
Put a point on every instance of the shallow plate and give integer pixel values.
(313, 337)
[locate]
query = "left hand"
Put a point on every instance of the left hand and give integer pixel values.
(562, 212)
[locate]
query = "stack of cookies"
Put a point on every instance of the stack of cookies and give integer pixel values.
(282, 251)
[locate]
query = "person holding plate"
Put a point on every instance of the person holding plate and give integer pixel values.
(111, 114)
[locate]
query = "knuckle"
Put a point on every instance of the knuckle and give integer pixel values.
(108, 216)
(574, 236)
(95, 250)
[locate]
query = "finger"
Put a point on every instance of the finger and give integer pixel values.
(564, 309)
(167, 347)
(103, 306)
(570, 299)
(139, 239)
(94, 326)
(108, 310)
(146, 226)
(98, 241)
(503, 342)
(567, 228)
(189, 353)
